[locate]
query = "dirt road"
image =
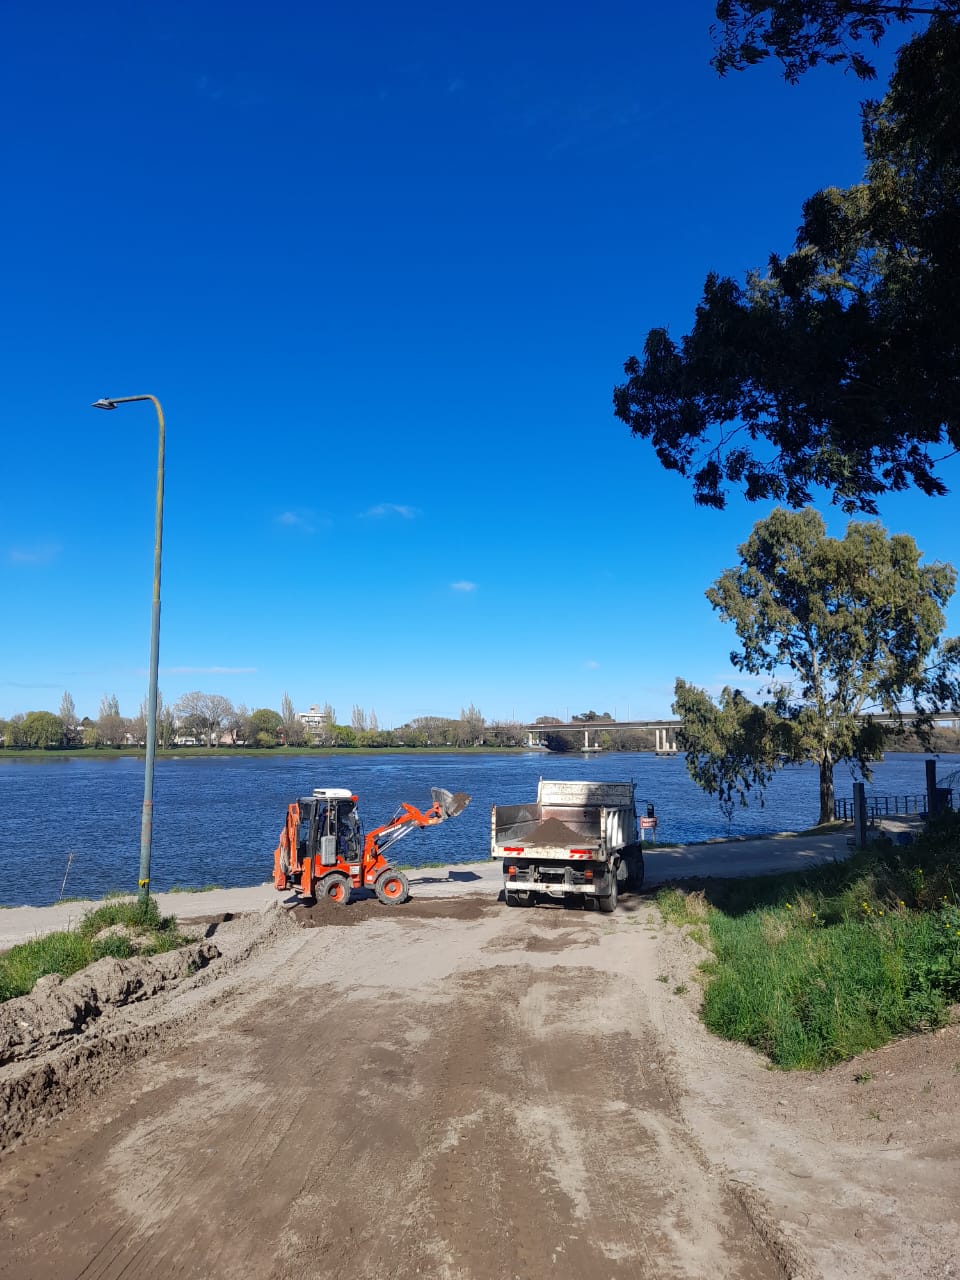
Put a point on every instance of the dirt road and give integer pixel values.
(450, 1089)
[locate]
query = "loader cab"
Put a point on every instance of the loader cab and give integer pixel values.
(330, 816)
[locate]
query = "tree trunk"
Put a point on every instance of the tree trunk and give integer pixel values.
(826, 789)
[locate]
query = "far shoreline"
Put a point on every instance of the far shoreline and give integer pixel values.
(260, 753)
(265, 753)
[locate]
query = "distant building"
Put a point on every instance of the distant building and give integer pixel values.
(315, 719)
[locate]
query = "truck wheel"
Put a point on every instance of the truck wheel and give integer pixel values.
(519, 897)
(334, 888)
(609, 903)
(392, 887)
(634, 861)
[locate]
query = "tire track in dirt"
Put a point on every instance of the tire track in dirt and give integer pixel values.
(468, 1099)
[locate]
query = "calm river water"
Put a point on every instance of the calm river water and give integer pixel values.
(217, 820)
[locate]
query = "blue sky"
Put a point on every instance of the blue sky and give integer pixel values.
(382, 266)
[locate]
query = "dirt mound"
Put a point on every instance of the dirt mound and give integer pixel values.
(34, 1090)
(359, 910)
(58, 1008)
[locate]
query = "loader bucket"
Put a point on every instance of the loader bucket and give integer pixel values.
(450, 804)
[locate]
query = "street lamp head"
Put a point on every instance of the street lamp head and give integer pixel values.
(104, 404)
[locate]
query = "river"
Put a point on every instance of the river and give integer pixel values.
(217, 820)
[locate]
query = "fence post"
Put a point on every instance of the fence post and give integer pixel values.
(931, 768)
(859, 815)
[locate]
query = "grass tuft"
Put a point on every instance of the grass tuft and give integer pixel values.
(145, 932)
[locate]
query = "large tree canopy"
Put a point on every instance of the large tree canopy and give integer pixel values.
(846, 629)
(802, 33)
(839, 367)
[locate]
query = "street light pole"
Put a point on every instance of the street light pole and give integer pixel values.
(146, 818)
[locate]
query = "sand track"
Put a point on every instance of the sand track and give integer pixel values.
(419, 1094)
(448, 1089)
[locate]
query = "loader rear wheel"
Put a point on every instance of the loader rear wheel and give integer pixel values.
(334, 888)
(392, 887)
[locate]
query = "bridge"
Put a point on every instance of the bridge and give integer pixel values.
(665, 731)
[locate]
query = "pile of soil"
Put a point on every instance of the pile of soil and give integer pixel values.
(59, 1008)
(358, 910)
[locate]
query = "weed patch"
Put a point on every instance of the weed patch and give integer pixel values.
(680, 908)
(813, 968)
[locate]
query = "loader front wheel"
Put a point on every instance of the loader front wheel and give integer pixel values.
(392, 887)
(334, 888)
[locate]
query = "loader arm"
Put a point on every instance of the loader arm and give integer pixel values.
(408, 817)
(401, 824)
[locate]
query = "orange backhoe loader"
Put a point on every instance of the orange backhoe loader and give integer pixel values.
(323, 852)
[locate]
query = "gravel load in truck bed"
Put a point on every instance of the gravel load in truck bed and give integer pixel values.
(553, 831)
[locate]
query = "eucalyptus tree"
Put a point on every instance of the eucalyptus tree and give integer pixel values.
(846, 629)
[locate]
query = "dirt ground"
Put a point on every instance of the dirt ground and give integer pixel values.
(454, 1089)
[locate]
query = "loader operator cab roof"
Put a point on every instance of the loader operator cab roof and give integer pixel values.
(333, 793)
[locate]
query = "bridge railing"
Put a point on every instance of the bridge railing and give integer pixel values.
(888, 806)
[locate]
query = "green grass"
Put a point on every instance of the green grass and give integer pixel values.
(69, 951)
(813, 968)
(193, 888)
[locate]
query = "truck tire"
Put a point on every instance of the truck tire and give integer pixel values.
(608, 904)
(334, 888)
(633, 857)
(518, 898)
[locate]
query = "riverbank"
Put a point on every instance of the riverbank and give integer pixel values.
(257, 753)
(943, 742)
(785, 852)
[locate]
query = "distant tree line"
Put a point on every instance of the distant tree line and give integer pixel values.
(212, 720)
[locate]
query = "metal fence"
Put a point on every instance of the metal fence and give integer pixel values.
(891, 806)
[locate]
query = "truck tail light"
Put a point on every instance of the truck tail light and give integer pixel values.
(588, 875)
(511, 871)
(581, 853)
(512, 848)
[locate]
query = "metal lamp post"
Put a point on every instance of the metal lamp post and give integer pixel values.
(146, 820)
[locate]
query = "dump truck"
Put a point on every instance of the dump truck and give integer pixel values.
(580, 840)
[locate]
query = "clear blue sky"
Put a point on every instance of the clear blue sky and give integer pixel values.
(382, 264)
